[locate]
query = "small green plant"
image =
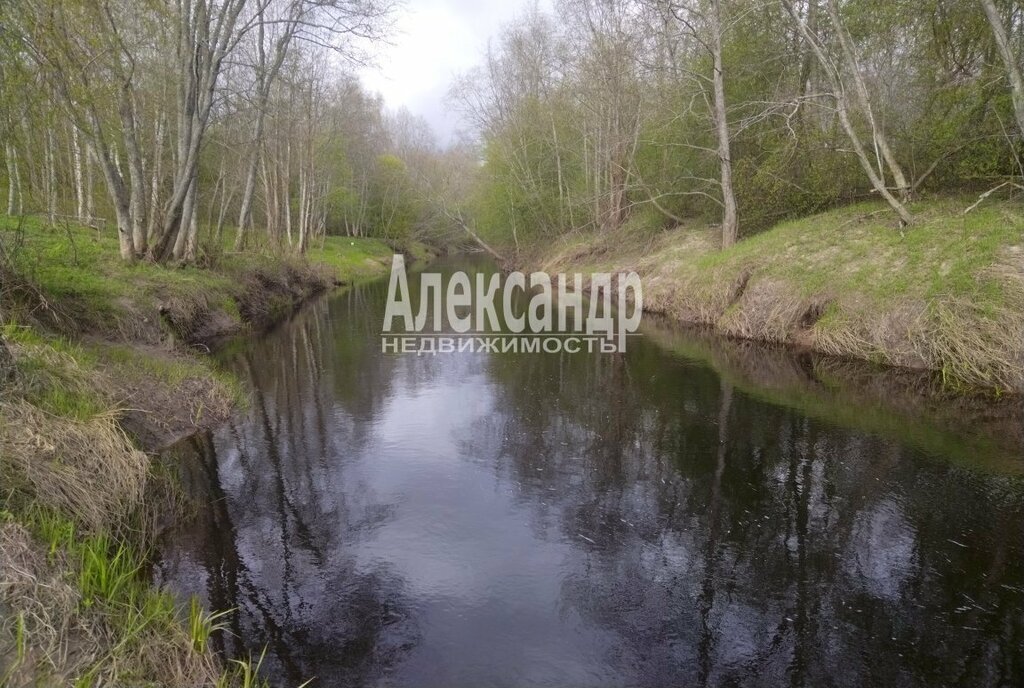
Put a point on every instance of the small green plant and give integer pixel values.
(57, 532)
(87, 680)
(247, 675)
(20, 648)
(202, 625)
(107, 570)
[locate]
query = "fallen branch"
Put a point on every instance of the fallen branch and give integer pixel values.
(988, 193)
(457, 219)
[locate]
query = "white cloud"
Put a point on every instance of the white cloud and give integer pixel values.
(435, 41)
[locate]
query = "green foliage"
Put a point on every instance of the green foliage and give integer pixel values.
(203, 624)
(107, 572)
(945, 295)
(935, 90)
(55, 374)
(393, 206)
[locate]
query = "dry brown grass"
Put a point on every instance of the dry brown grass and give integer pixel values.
(946, 295)
(86, 469)
(767, 309)
(981, 343)
(40, 606)
(48, 637)
(66, 409)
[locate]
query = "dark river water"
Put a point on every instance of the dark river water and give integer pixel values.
(693, 512)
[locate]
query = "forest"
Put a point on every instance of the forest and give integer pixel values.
(188, 127)
(743, 113)
(215, 122)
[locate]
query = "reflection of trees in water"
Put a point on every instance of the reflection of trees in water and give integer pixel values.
(721, 540)
(730, 542)
(270, 541)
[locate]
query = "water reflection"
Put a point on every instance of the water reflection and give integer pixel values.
(546, 519)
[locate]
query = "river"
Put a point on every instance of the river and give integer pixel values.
(691, 512)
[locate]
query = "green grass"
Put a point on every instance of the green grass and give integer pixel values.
(859, 249)
(125, 630)
(54, 374)
(353, 258)
(60, 283)
(945, 294)
(170, 370)
(78, 272)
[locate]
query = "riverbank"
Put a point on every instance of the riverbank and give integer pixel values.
(102, 366)
(946, 295)
(975, 432)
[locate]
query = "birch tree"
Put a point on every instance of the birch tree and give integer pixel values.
(707, 27)
(95, 57)
(207, 31)
(340, 26)
(853, 68)
(843, 107)
(1010, 61)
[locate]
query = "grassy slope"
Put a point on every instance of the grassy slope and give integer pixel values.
(77, 270)
(93, 343)
(946, 294)
(353, 259)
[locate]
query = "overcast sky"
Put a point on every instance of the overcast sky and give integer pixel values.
(434, 41)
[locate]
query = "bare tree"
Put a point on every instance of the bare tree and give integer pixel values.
(881, 141)
(730, 225)
(15, 201)
(706, 28)
(207, 32)
(331, 24)
(843, 109)
(1010, 61)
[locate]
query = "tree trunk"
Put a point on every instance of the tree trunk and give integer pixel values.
(842, 109)
(864, 99)
(192, 240)
(76, 154)
(119, 199)
(1013, 69)
(267, 73)
(287, 198)
(729, 220)
(865, 162)
(247, 194)
(90, 159)
(154, 187)
(303, 208)
(188, 211)
(51, 179)
(225, 203)
(136, 174)
(14, 204)
(204, 41)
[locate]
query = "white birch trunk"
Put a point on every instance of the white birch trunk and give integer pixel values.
(843, 111)
(864, 100)
(76, 154)
(729, 220)
(1010, 61)
(14, 202)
